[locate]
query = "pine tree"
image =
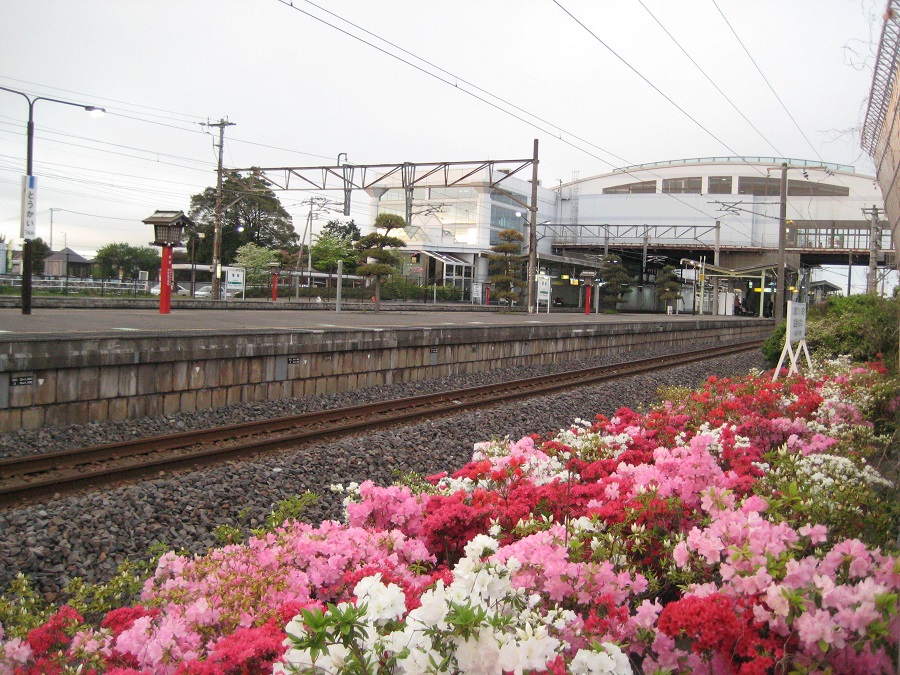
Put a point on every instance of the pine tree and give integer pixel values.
(506, 264)
(615, 284)
(668, 286)
(377, 252)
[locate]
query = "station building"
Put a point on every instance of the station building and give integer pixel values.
(717, 219)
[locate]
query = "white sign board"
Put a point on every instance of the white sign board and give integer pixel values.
(543, 291)
(795, 331)
(543, 288)
(797, 321)
(234, 279)
(29, 208)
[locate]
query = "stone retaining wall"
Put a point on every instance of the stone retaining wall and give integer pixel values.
(55, 382)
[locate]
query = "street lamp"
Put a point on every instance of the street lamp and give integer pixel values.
(29, 189)
(168, 226)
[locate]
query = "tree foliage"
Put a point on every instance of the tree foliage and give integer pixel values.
(668, 285)
(615, 280)
(251, 214)
(255, 261)
(379, 252)
(506, 265)
(329, 249)
(348, 230)
(130, 259)
(39, 252)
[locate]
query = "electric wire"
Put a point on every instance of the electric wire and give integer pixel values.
(647, 81)
(766, 80)
(717, 88)
(289, 3)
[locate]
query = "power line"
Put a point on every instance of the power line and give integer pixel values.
(653, 86)
(455, 85)
(467, 82)
(289, 3)
(766, 80)
(697, 65)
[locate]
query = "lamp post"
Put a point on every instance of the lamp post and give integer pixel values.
(168, 226)
(274, 268)
(194, 237)
(29, 189)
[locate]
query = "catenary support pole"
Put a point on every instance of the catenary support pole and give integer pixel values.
(782, 235)
(532, 233)
(217, 236)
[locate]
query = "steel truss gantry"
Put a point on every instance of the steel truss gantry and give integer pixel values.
(408, 175)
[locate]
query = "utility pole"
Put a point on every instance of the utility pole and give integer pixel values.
(532, 233)
(782, 262)
(874, 247)
(217, 237)
(51, 227)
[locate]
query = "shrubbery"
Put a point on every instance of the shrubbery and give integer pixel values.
(863, 327)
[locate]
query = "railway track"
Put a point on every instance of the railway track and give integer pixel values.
(24, 479)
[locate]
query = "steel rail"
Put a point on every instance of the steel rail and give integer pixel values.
(24, 478)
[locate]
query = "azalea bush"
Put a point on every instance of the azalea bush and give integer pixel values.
(747, 527)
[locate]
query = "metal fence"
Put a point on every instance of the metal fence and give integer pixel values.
(76, 286)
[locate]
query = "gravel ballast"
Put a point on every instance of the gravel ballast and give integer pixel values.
(89, 535)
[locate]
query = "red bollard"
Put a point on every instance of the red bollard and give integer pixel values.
(587, 299)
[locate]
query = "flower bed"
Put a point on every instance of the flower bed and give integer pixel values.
(735, 529)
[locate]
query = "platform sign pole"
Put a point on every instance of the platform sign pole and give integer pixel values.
(795, 332)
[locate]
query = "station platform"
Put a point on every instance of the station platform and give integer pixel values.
(49, 322)
(69, 365)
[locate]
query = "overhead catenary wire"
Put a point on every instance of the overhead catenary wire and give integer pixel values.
(711, 81)
(765, 79)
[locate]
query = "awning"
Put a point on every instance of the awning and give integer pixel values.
(445, 258)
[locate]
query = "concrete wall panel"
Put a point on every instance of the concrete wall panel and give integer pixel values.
(120, 378)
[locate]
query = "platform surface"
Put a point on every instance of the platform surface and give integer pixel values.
(80, 322)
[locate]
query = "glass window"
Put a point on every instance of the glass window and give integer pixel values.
(498, 196)
(644, 187)
(811, 189)
(399, 194)
(719, 185)
(682, 185)
(453, 193)
(759, 187)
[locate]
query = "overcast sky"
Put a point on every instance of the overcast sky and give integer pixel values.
(600, 83)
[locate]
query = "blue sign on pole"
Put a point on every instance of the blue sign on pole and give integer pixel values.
(29, 208)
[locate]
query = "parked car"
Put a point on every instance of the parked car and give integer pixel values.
(177, 290)
(207, 291)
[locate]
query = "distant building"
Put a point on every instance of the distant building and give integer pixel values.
(820, 290)
(67, 263)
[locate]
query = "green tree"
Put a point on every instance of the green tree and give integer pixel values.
(615, 280)
(255, 261)
(668, 286)
(39, 252)
(130, 259)
(506, 264)
(251, 213)
(379, 252)
(329, 249)
(349, 230)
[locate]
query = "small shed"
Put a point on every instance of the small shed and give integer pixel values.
(820, 290)
(67, 263)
